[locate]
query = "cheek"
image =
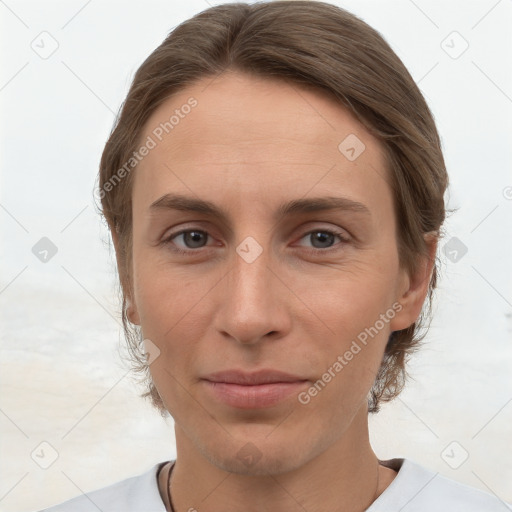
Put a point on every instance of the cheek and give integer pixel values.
(170, 309)
(339, 393)
(171, 315)
(163, 295)
(353, 312)
(350, 362)
(348, 303)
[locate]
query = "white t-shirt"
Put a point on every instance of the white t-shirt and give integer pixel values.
(414, 489)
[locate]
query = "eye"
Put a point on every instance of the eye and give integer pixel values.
(191, 238)
(189, 241)
(324, 238)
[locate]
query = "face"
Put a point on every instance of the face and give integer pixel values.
(267, 274)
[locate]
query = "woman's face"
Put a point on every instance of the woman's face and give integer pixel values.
(263, 286)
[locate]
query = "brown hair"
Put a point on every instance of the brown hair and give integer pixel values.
(312, 44)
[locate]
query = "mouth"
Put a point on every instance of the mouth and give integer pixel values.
(245, 390)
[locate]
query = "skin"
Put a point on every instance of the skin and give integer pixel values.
(249, 145)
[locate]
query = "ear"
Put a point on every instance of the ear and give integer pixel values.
(131, 311)
(412, 289)
(131, 307)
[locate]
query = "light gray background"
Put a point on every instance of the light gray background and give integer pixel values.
(63, 381)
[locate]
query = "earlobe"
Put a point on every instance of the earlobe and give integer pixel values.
(414, 289)
(130, 307)
(132, 313)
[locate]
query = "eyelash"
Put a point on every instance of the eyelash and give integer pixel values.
(169, 239)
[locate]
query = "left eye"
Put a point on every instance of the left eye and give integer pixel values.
(323, 238)
(192, 239)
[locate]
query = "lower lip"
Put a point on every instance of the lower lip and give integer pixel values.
(253, 397)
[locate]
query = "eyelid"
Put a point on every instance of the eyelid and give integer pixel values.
(336, 231)
(168, 240)
(333, 231)
(184, 228)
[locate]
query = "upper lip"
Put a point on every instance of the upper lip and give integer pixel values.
(252, 378)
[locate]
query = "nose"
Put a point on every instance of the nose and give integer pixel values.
(253, 303)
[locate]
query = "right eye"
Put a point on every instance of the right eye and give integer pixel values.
(192, 239)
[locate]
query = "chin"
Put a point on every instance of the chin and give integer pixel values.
(267, 454)
(263, 462)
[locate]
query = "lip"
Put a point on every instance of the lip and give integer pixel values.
(252, 390)
(265, 376)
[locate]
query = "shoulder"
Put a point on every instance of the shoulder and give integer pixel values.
(419, 489)
(134, 494)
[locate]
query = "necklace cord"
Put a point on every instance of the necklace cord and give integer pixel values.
(169, 499)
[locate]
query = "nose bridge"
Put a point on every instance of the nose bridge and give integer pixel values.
(250, 278)
(252, 256)
(250, 307)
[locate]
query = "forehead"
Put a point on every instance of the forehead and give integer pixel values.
(265, 138)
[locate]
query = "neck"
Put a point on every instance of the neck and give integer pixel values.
(346, 472)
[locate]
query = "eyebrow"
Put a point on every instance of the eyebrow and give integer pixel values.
(294, 207)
